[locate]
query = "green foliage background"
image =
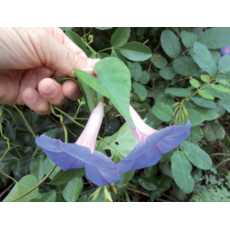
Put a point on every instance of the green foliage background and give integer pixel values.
(176, 74)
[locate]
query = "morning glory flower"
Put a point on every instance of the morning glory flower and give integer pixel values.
(225, 50)
(151, 143)
(99, 168)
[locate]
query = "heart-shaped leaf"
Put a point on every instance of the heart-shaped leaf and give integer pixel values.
(113, 81)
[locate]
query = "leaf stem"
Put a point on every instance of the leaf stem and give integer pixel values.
(36, 186)
(8, 176)
(23, 117)
(110, 48)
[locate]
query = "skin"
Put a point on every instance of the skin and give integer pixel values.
(30, 57)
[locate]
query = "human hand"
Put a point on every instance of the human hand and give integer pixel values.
(29, 57)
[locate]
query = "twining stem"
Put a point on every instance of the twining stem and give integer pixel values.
(36, 186)
(78, 109)
(67, 115)
(8, 176)
(7, 140)
(23, 117)
(47, 176)
(61, 121)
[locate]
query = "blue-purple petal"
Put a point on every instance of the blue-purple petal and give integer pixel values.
(225, 50)
(99, 168)
(148, 153)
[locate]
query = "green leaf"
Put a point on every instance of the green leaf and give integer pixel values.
(167, 73)
(159, 61)
(148, 183)
(196, 133)
(120, 36)
(103, 28)
(170, 44)
(220, 88)
(194, 117)
(117, 54)
(83, 199)
(205, 78)
(135, 70)
(225, 76)
(194, 83)
(113, 82)
(162, 111)
(24, 185)
(224, 64)
(102, 55)
(36, 167)
(197, 174)
(188, 38)
(181, 169)
(127, 177)
(48, 165)
(203, 102)
(144, 77)
(226, 104)
(196, 155)
(136, 51)
(36, 200)
(66, 28)
(205, 94)
(216, 55)
(10, 132)
(207, 114)
(204, 59)
(107, 195)
(155, 195)
(213, 131)
(77, 40)
(121, 143)
(150, 171)
(215, 38)
(181, 195)
(51, 133)
(72, 190)
(140, 90)
(164, 183)
(165, 168)
(186, 66)
(49, 196)
(178, 92)
(90, 95)
(63, 177)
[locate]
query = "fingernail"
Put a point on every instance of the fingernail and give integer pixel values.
(92, 62)
(50, 90)
(31, 96)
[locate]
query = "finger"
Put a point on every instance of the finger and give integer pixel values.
(60, 36)
(71, 90)
(51, 91)
(35, 102)
(58, 56)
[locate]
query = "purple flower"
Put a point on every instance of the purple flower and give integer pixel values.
(151, 144)
(99, 168)
(225, 50)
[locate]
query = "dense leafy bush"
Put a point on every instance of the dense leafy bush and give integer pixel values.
(177, 74)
